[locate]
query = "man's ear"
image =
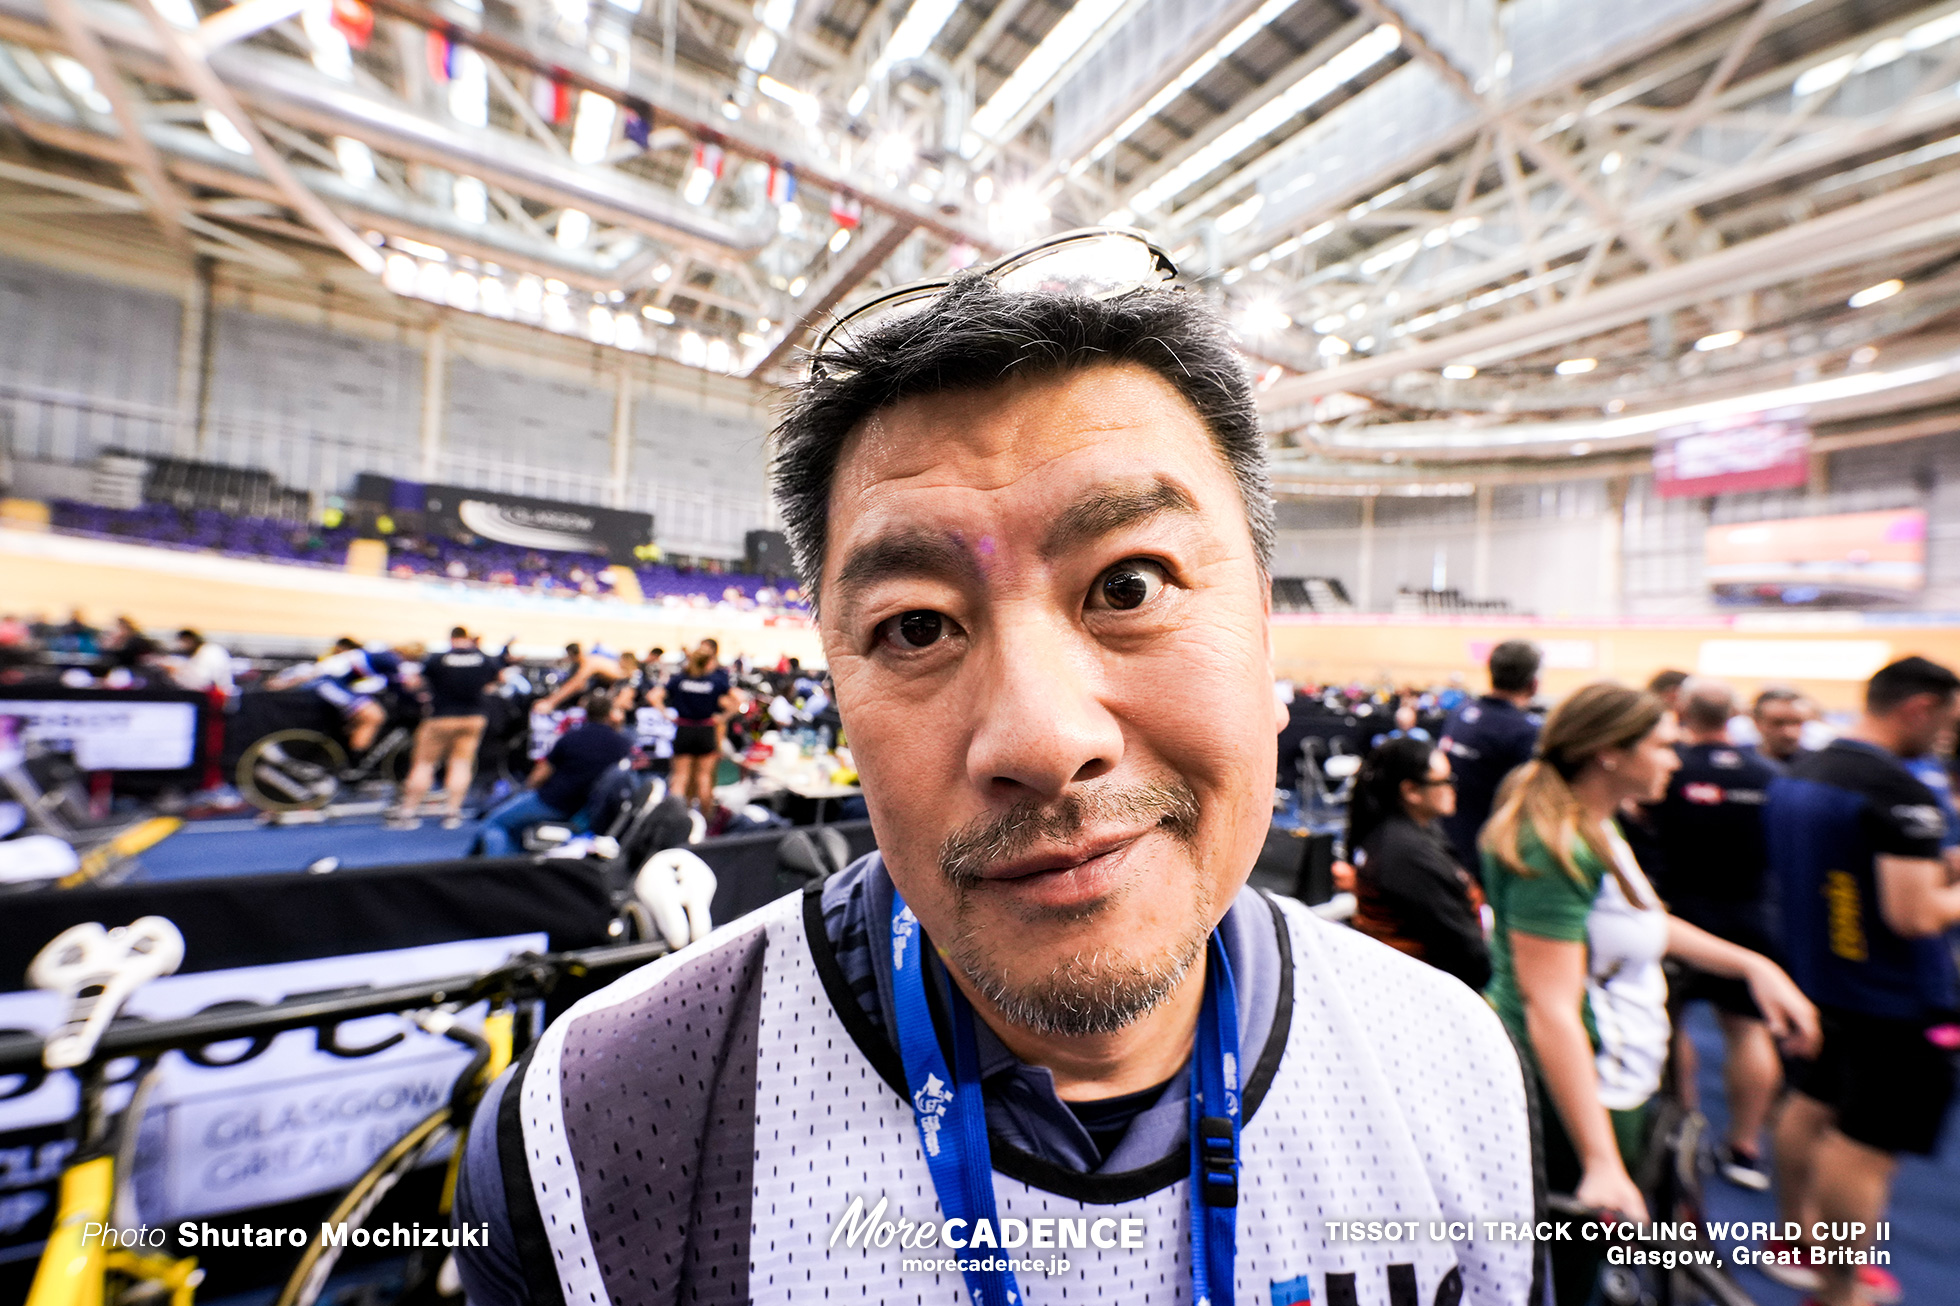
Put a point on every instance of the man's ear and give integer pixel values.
(1280, 715)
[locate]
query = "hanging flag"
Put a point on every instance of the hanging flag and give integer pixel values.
(353, 20)
(552, 99)
(639, 126)
(708, 159)
(845, 211)
(442, 57)
(782, 184)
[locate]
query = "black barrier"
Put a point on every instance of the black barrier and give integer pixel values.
(258, 920)
(747, 875)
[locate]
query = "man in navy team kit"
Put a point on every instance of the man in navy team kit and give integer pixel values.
(1854, 842)
(1713, 855)
(1489, 738)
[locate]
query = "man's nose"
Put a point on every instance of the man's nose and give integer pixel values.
(1041, 723)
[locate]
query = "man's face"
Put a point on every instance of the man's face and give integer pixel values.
(1780, 723)
(1923, 719)
(1048, 636)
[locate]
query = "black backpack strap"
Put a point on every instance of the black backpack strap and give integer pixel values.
(520, 1198)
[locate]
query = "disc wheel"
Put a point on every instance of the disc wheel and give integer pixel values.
(291, 771)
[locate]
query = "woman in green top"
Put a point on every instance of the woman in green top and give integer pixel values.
(1579, 937)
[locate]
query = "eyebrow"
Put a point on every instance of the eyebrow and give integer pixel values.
(910, 552)
(1112, 508)
(914, 552)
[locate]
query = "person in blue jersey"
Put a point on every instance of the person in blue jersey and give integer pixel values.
(1934, 769)
(1854, 843)
(701, 696)
(1713, 857)
(346, 678)
(1487, 740)
(562, 781)
(1033, 517)
(1779, 715)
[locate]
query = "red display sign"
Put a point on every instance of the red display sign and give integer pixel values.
(1730, 455)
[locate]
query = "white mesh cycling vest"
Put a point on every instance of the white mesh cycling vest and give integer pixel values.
(695, 1132)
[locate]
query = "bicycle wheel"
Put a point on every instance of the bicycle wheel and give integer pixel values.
(291, 771)
(315, 1266)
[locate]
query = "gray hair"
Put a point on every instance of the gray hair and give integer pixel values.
(1706, 704)
(976, 335)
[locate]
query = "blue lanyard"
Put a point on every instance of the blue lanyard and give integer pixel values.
(952, 1118)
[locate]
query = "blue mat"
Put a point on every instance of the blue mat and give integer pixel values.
(240, 846)
(1925, 1211)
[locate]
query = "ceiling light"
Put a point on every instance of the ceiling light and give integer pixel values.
(655, 313)
(859, 98)
(398, 274)
(469, 89)
(776, 14)
(699, 182)
(179, 13)
(1193, 73)
(983, 190)
(1333, 346)
(838, 239)
(1864, 355)
(1018, 210)
(427, 253)
(471, 199)
(1719, 340)
(915, 33)
(1576, 366)
(1303, 94)
(893, 151)
(762, 48)
(803, 105)
(356, 161)
(693, 349)
(574, 228)
(1063, 42)
(1240, 216)
(1611, 163)
(718, 355)
(1870, 294)
(626, 331)
(1823, 77)
(1459, 372)
(225, 132)
(798, 286)
(592, 129)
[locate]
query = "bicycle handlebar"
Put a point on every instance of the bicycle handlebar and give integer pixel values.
(529, 975)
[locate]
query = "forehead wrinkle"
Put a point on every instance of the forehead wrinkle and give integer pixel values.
(1110, 508)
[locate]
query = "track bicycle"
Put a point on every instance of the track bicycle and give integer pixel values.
(77, 1269)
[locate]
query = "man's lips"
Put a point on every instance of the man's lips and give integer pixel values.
(1070, 858)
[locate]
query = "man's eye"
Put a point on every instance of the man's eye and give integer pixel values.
(915, 629)
(1127, 585)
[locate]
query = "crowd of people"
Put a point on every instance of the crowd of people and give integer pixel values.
(1568, 863)
(591, 713)
(701, 584)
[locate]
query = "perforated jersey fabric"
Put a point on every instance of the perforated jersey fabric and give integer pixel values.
(695, 1133)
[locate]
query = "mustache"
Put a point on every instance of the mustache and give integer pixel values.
(999, 837)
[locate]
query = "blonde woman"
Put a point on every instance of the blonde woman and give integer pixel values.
(1576, 954)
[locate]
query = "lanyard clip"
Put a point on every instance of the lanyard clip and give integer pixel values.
(1218, 1157)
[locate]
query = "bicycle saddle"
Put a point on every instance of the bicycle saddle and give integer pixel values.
(677, 888)
(96, 970)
